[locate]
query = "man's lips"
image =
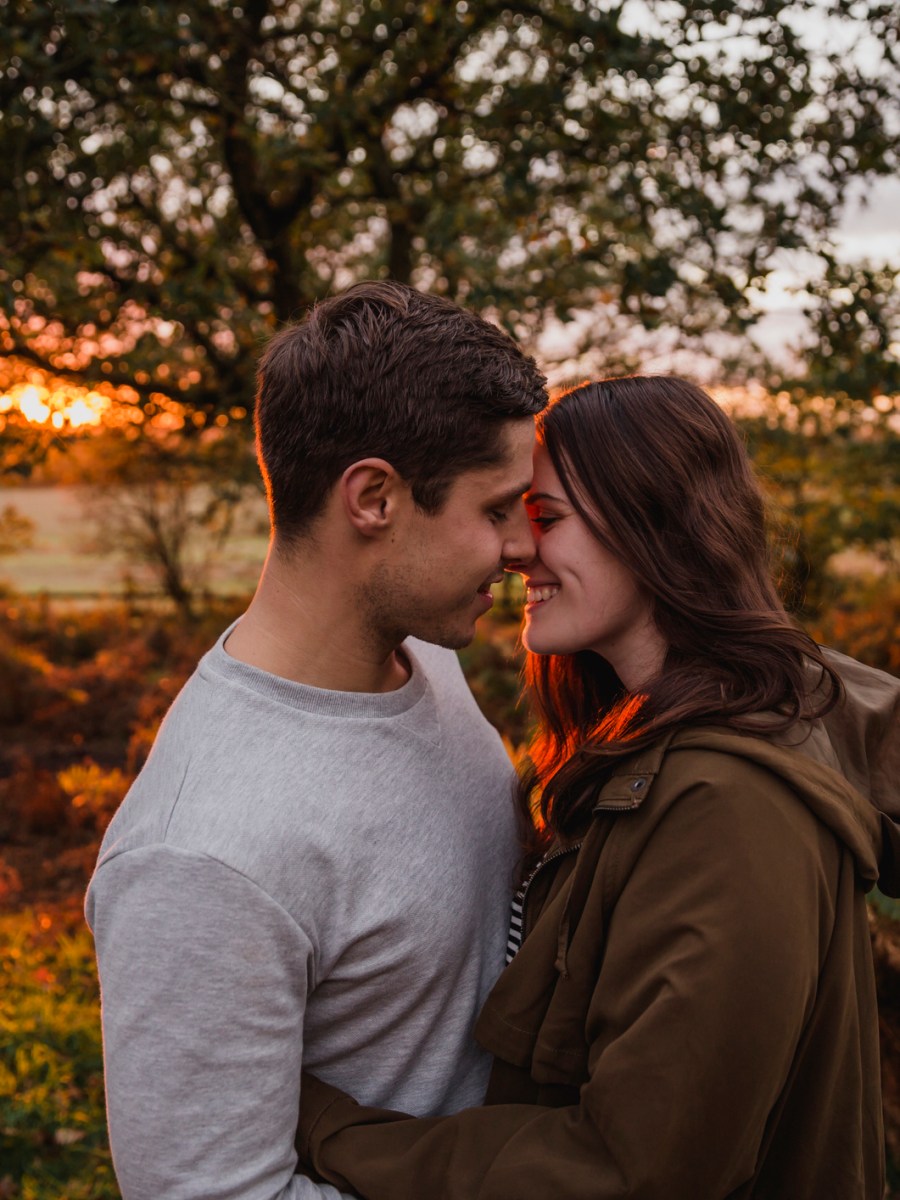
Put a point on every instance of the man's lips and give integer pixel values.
(485, 589)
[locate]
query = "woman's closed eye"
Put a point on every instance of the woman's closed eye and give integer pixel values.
(542, 520)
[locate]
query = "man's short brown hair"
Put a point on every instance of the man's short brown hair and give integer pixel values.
(388, 372)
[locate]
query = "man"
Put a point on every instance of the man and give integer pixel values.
(314, 866)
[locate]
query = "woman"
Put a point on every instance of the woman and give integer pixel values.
(691, 1013)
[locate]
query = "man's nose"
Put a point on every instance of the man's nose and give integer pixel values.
(519, 547)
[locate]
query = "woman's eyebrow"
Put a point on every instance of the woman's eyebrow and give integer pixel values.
(533, 497)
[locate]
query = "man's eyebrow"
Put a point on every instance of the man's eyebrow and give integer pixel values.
(512, 495)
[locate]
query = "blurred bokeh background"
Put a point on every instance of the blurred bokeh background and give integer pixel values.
(624, 185)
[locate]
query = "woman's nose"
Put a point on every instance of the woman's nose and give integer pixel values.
(521, 564)
(519, 547)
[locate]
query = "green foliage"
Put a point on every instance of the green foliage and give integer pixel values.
(832, 468)
(884, 904)
(188, 175)
(52, 1122)
(854, 311)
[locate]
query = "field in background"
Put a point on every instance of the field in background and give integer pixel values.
(59, 564)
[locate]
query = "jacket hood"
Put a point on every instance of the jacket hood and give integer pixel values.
(862, 732)
(860, 739)
(814, 778)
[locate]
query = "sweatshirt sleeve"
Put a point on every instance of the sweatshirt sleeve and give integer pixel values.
(203, 984)
(708, 975)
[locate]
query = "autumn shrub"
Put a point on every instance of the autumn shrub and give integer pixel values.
(65, 634)
(83, 694)
(84, 684)
(92, 792)
(32, 801)
(70, 634)
(98, 698)
(492, 663)
(10, 888)
(864, 622)
(87, 690)
(24, 671)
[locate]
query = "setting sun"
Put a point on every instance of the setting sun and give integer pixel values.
(62, 406)
(40, 399)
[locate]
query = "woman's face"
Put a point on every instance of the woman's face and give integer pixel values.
(580, 596)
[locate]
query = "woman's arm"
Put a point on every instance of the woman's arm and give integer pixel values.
(708, 977)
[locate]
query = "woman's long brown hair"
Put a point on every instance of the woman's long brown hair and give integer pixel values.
(661, 477)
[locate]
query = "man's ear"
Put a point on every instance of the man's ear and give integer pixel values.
(372, 492)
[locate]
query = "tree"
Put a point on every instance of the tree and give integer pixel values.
(16, 530)
(854, 317)
(189, 175)
(167, 506)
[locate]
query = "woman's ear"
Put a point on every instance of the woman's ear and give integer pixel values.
(372, 492)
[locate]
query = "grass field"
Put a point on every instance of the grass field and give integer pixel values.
(58, 563)
(53, 1143)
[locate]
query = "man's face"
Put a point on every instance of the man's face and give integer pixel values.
(436, 582)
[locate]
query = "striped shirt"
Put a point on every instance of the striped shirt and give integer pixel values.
(517, 915)
(514, 941)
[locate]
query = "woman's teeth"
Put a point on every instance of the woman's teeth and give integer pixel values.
(534, 595)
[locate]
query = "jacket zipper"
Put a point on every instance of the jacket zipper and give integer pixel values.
(608, 806)
(537, 870)
(618, 805)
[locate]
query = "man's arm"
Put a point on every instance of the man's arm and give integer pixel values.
(708, 975)
(204, 981)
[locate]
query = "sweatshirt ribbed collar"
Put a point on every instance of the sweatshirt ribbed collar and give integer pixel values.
(322, 701)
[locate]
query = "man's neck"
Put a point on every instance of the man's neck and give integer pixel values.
(304, 625)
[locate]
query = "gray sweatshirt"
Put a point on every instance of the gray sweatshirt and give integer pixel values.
(297, 874)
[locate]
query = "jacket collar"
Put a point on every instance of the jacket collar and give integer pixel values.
(630, 782)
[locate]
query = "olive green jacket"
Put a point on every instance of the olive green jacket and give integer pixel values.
(692, 1013)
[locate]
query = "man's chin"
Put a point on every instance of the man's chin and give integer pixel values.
(449, 636)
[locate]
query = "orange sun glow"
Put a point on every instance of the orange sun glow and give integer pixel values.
(65, 407)
(62, 406)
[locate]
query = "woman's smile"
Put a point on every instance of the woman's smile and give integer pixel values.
(540, 593)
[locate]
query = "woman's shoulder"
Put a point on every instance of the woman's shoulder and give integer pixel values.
(798, 762)
(731, 779)
(734, 767)
(691, 755)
